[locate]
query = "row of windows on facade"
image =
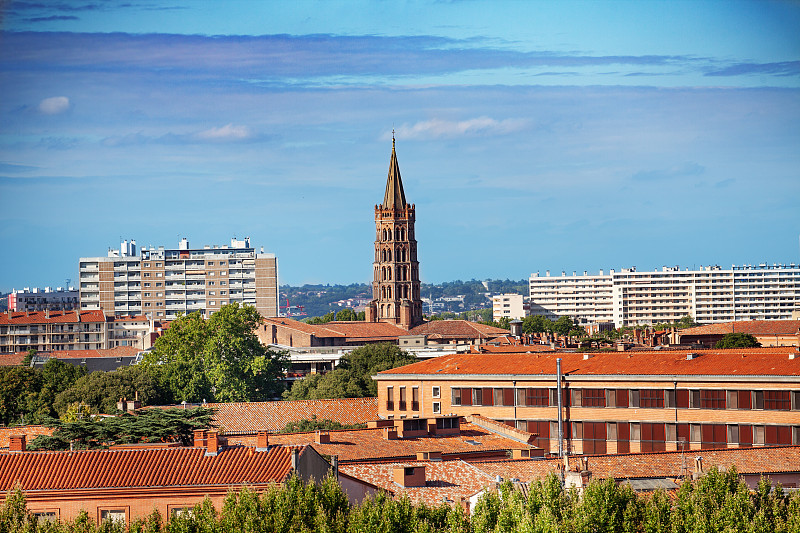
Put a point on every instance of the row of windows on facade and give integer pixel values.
(654, 436)
(775, 400)
(399, 234)
(401, 273)
(402, 292)
(385, 255)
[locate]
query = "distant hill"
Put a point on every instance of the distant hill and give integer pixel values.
(317, 300)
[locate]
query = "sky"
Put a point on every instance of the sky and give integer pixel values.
(532, 136)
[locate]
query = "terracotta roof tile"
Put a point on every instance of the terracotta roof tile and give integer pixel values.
(12, 359)
(251, 417)
(774, 361)
(31, 432)
(40, 317)
(162, 467)
(446, 481)
(756, 460)
(119, 351)
(753, 327)
(353, 331)
(370, 444)
(457, 329)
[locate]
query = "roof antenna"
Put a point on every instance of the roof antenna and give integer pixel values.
(392, 136)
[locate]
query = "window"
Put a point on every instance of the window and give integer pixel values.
(435, 392)
(447, 423)
(477, 396)
(455, 396)
(712, 399)
(402, 405)
(390, 398)
(437, 408)
(541, 429)
(415, 424)
(114, 515)
(415, 398)
(622, 398)
(653, 437)
(777, 435)
(776, 400)
(594, 436)
(536, 397)
(713, 436)
(623, 437)
(651, 398)
(45, 516)
(594, 398)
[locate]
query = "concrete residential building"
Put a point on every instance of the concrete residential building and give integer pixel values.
(613, 402)
(164, 283)
(46, 331)
(41, 299)
(510, 306)
(708, 294)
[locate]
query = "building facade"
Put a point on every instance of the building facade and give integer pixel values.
(165, 283)
(510, 306)
(42, 299)
(709, 294)
(47, 331)
(395, 285)
(613, 402)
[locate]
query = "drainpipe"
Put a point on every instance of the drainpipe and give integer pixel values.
(560, 418)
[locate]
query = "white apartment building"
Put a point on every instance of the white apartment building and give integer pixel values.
(165, 283)
(510, 306)
(708, 294)
(36, 299)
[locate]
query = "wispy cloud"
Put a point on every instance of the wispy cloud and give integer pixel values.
(783, 68)
(54, 105)
(228, 132)
(685, 170)
(439, 129)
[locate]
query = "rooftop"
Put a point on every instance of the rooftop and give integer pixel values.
(50, 317)
(753, 327)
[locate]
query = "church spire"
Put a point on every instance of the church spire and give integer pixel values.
(394, 198)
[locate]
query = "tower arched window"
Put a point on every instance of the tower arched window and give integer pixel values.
(404, 254)
(389, 293)
(389, 273)
(402, 234)
(389, 254)
(383, 273)
(383, 293)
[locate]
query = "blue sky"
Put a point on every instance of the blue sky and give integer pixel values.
(532, 136)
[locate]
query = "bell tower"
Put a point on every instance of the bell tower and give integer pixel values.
(395, 285)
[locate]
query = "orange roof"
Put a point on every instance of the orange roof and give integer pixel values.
(119, 351)
(370, 444)
(753, 327)
(514, 348)
(756, 460)
(31, 432)
(774, 361)
(444, 480)
(12, 359)
(251, 417)
(353, 331)
(40, 317)
(142, 468)
(457, 329)
(127, 318)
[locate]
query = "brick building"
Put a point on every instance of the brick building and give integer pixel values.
(767, 332)
(613, 402)
(47, 331)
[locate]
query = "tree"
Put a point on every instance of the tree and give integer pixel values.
(353, 377)
(686, 322)
(737, 340)
(347, 315)
(219, 359)
(563, 325)
(55, 377)
(16, 383)
(536, 324)
(100, 391)
(314, 424)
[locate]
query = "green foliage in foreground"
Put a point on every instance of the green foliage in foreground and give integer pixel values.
(314, 424)
(737, 340)
(717, 502)
(146, 425)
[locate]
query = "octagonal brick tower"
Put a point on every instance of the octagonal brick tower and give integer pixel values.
(395, 285)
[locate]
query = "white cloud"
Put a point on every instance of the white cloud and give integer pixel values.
(438, 128)
(54, 105)
(229, 132)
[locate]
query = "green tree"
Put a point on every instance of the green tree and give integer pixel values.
(563, 325)
(16, 384)
(101, 390)
(536, 324)
(737, 340)
(347, 315)
(352, 378)
(219, 359)
(314, 424)
(54, 378)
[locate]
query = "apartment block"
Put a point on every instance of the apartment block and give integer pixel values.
(36, 299)
(708, 294)
(163, 284)
(612, 402)
(46, 331)
(511, 306)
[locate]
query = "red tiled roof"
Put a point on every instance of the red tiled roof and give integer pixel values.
(12, 359)
(127, 318)
(143, 468)
(514, 348)
(457, 329)
(31, 432)
(251, 417)
(753, 327)
(444, 480)
(370, 444)
(772, 361)
(40, 317)
(756, 460)
(354, 331)
(119, 351)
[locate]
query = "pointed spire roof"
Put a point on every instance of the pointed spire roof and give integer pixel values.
(394, 198)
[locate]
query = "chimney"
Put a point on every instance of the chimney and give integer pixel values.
(429, 456)
(390, 433)
(322, 437)
(199, 438)
(409, 476)
(121, 404)
(335, 465)
(16, 443)
(698, 465)
(262, 441)
(212, 443)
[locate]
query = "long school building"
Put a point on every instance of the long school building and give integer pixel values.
(613, 402)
